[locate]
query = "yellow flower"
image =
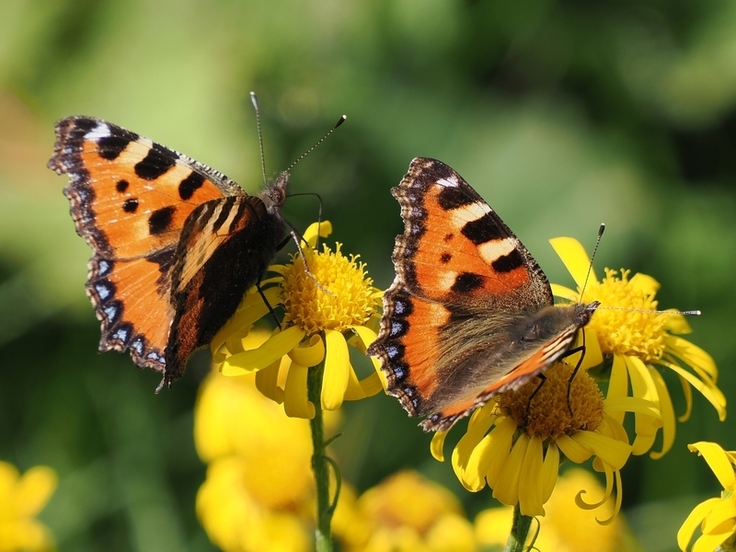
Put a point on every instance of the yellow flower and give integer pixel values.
(516, 445)
(259, 481)
(407, 513)
(566, 528)
(317, 319)
(21, 499)
(626, 328)
(716, 516)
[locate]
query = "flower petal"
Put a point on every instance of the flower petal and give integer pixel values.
(268, 380)
(565, 293)
(550, 471)
(310, 234)
(642, 386)
(499, 441)
(618, 386)
(722, 513)
(506, 489)
(575, 258)
(437, 446)
(296, 404)
(337, 369)
(644, 283)
(711, 542)
(530, 479)
(465, 459)
(718, 461)
(366, 335)
(277, 346)
(693, 521)
(611, 451)
(711, 393)
(309, 354)
(593, 353)
(668, 415)
(572, 449)
(250, 309)
(34, 490)
(693, 356)
(361, 389)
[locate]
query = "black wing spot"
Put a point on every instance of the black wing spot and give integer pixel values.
(449, 237)
(156, 163)
(484, 229)
(122, 185)
(452, 198)
(189, 185)
(509, 262)
(110, 147)
(445, 258)
(467, 282)
(130, 205)
(160, 220)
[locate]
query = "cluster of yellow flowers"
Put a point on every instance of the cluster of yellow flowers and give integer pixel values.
(512, 444)
(254, 431)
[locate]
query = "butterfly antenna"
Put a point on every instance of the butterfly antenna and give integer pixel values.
(601, 229)
(340, 121)
(319, 213)
(650, 311)
(254, 101)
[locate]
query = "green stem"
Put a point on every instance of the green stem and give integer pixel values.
(320, 462)
(519, 531)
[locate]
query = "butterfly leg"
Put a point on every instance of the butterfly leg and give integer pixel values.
(265, 301)
(579, 363)
(542, 381)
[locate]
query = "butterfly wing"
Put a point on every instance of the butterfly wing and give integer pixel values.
(224, 249)
(466, 292)
(130, 200)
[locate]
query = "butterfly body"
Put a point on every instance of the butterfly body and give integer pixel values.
(470, 313)
(175, 243)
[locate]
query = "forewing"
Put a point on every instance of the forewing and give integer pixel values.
(456, 249)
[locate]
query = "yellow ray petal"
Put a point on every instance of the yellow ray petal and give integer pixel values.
(575, 258)
(337, 368)
(277, 346)
(34, 489)
(718, 461)
(251, 309)
(310, 234)
(693, 521)
(296, 404)
(309, 354)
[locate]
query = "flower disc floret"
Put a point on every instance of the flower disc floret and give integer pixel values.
(548, 414)
(345, 296)
(633, 327)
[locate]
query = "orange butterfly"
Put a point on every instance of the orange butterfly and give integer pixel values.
(175, 243)
(470, 313)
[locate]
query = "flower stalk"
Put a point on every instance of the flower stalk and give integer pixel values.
(320, 461)
(519, 531)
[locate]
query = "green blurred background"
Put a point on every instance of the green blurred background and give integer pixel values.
(561, 114)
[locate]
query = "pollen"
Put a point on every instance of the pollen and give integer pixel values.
(344, 297)
(632, 327)
(546, 414)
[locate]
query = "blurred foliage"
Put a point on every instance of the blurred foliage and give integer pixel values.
(561, 114)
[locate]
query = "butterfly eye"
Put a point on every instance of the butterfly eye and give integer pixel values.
(532, 333)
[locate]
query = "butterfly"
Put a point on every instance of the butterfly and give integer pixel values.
(470, 313)
(175, 243)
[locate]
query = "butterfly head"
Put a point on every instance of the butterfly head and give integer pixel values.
(274, 194)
